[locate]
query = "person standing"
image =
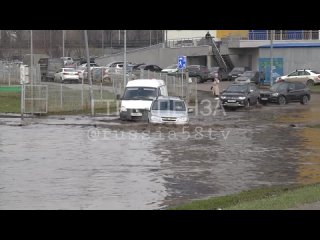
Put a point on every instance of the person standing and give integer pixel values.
(215, 86)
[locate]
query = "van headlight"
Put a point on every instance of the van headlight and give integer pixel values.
(242, 98)
(275, 94)
(223, 97)
(182, 119)
(123, 109)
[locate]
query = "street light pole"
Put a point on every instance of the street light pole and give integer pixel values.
(89, 72)
(62, 43)
(125, 60)
(271, 57)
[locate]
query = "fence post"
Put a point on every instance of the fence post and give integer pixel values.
(61, 97)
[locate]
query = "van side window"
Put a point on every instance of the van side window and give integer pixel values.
(163, 91)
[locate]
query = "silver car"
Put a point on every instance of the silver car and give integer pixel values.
(306, 76)
(169, 110)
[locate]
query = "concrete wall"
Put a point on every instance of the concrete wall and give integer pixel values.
(245, 57)
(162, 57)
(295, 58)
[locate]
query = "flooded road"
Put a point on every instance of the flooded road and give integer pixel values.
(102, 163)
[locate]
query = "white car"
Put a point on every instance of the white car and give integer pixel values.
(170, 69)
(307, 76)
(172, 110)
(67, 61)
(66, 75)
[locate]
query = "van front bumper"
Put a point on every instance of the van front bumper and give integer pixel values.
(134, 114)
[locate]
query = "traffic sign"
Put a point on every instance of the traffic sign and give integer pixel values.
(182, 62)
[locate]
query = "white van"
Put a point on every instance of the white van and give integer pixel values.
(138, 96)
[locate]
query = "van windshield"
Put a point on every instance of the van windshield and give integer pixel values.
(140, 93)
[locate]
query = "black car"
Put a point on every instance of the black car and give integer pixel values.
(236, 72)
(240, 95)
(284, 92)
(150, 67)
(223, 75)
(199, 71)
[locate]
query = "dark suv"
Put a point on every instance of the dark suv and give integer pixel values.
(284, 92)
(200, 72)
(240, 95)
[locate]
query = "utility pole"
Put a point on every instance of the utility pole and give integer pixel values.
(102, 42)
(271, 56)
(150, 37)
(50, 53)
(125, 60)
(62, 43)
(89, 72)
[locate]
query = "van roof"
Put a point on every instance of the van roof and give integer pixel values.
(146, 83)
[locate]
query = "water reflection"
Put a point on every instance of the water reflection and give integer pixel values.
(57, 167)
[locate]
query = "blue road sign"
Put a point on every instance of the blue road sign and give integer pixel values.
(182, 62)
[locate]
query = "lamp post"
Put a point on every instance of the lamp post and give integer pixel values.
(271, 56)
(125, 59)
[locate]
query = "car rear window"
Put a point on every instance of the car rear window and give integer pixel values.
(315, 72)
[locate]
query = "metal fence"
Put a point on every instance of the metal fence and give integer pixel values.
(10, 74)
(43, 97)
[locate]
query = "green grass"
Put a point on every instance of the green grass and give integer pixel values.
(315, 89)
(279, 197)
(10, 102)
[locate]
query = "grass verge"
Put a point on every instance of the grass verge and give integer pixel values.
(271, 198)
(9, 102)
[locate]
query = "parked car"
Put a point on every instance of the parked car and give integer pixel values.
(200, 72)
(307, 76)
(223, 75)
(285, 92)
(67, 61)
(170, 69)
(236, 72)
(249, 77)
(66, 75)
(240, 95)
(54, 65)
(171, 110)
(152, 68)
(184, 43)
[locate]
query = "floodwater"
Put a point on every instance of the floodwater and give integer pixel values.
(75, 162)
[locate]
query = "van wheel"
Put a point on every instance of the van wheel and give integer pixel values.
(304, 100)
(282, 100)
(310, 83)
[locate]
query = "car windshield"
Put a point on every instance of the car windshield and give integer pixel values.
(237, 88)
(169, 105)
(248, 74)
(279, 87)
(136, 93)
